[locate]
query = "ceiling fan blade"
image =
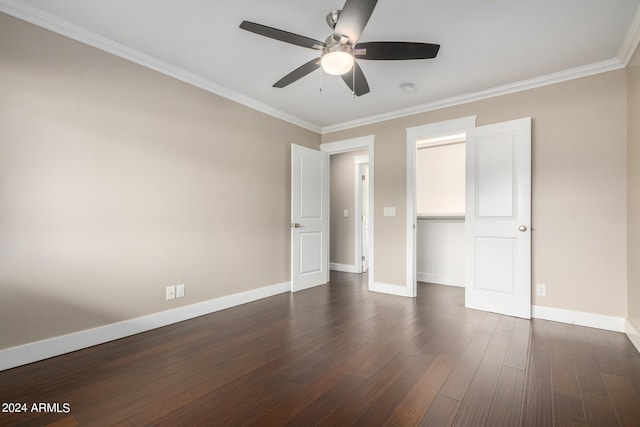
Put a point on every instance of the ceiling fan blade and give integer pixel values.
(353, 18)
(298, 73)
(397, 50)
(283, 36)
(362, 87)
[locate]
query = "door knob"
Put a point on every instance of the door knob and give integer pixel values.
(522, 228)
(295, 225)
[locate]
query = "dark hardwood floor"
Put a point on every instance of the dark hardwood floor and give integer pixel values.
(339, 355)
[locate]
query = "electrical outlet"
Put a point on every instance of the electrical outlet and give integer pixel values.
(541, 289)
(170, 292)
(180, 290)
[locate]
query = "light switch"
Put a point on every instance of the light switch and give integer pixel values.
(390, 211)
(346, 213)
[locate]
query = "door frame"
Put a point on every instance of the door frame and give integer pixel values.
(356, 144)
(359, 162)
(414, 134)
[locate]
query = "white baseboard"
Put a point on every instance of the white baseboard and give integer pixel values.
(581, 318)
(39, 350)
(425, 277)
(346, 268)
(390, 289)
(633, 335)
(432, 278)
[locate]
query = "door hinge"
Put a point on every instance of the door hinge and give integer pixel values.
(364, 177)
(364, 257)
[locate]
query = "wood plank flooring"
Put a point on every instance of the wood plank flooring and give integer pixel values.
(339, 355)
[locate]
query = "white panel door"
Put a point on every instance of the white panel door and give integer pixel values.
(309, 218)
(498, 218)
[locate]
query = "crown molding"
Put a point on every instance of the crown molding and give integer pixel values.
(628, 48)
(631, 41)
(53, 23)
(549, 79)
(50, 22)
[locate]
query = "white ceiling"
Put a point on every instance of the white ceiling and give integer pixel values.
(487, 47)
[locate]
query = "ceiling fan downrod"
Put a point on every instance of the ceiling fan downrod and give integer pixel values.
(332, 19)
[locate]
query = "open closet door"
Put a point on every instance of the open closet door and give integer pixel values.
(498, 218)
(309, 218)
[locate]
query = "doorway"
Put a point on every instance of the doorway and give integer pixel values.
(440, 206)
(449, 130)
(497, 225)
(358, 221)
(349, 212)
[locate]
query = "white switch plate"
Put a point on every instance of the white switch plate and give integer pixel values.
(346, 213)
(180, 291)
(170, 292)
(390, 211)
(541, 289)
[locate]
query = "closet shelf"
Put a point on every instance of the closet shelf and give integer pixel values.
(453, 216)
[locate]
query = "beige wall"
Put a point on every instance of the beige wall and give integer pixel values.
(343, 198)
(633, 192)
(579, 187)
(116, 181)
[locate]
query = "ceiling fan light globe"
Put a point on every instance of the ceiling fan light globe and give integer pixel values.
(337, 63)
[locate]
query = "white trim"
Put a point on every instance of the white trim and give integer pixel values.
(359, 160)
(549, 79)
(633, 334)
(580, 318)
(58, 25)
(358, 189)
(345, 268)
(433, 144)
(631, 41)
(39, 350)
(446, 127)
(53, 23)
(390, 289)
(414, 134)
(438, 280)
(357, 217)
(371, 234)
(344, 146)
(411, 219)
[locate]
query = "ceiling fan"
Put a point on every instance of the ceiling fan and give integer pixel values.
(340, 49)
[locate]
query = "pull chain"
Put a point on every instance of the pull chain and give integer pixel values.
(321, 79)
